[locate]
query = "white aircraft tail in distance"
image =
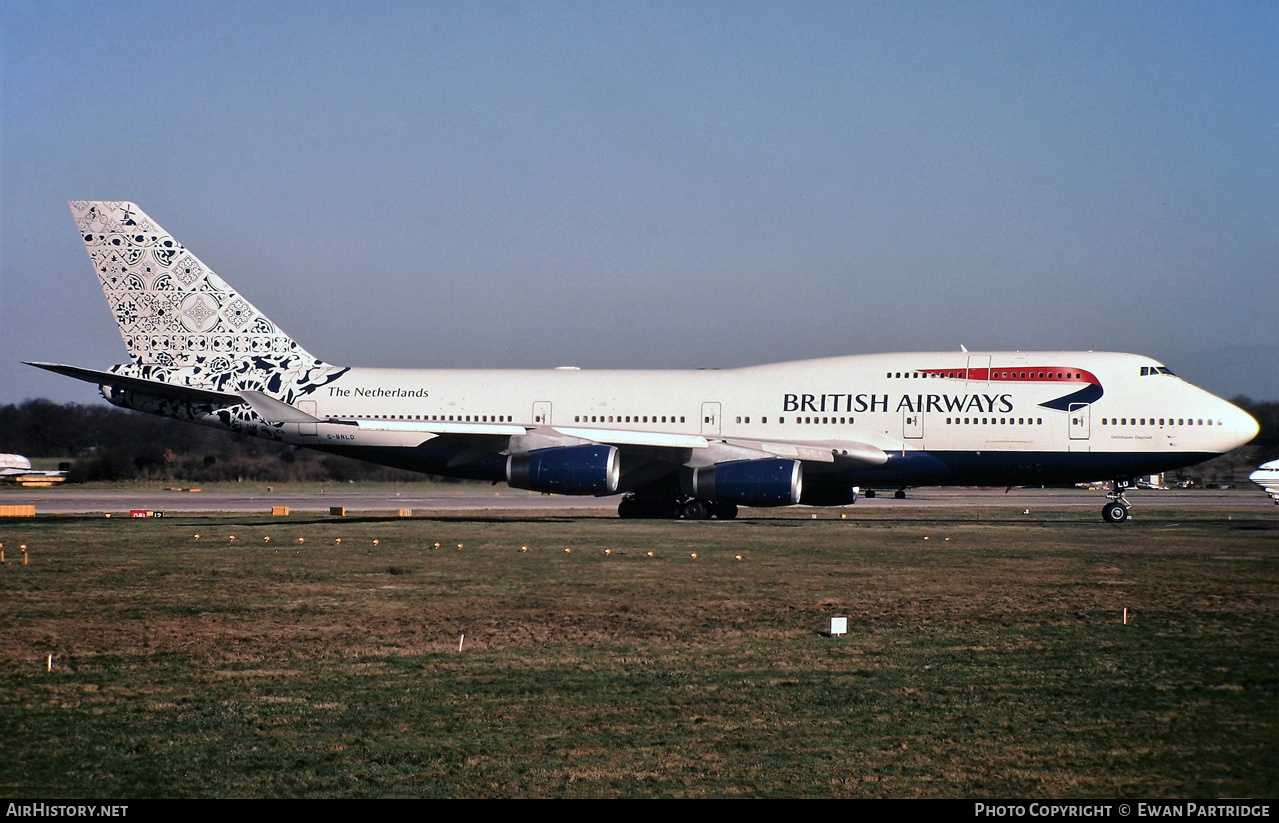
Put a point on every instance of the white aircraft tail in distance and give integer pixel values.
(692, 444)
(15, 470)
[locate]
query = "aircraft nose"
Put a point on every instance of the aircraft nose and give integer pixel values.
(1245, 425)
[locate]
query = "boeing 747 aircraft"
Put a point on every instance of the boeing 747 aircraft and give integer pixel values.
(692, 444)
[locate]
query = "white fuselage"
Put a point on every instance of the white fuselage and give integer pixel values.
(896, 402)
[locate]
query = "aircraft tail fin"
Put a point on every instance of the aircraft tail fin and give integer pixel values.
(172, 309)
(181, 323)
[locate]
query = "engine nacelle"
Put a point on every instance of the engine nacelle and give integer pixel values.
(771, 482)
(589, 469)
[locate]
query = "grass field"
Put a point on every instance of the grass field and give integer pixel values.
(984, 658)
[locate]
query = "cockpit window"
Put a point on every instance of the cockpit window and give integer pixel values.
(1149, 370)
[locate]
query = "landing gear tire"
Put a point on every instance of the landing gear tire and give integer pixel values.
(664, 508)
(634, 508)
(725, 511)
(870, 494)
(900, 494)
(1115, 512)
(696, 510)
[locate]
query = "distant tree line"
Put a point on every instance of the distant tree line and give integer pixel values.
(106, 443)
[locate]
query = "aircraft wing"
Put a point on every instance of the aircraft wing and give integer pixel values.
(847, 452)
(832, 451)
(830, 455)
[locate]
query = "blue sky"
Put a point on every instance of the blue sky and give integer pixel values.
(659, 184)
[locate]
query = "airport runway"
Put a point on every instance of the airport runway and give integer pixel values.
(259, 500)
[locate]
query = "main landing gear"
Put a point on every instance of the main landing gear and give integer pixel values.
(1116, 511)
(900, 494)
(665, 508)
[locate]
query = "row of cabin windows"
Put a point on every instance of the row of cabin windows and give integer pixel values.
(1019, 421)
(625, 418)
(611, 418)
(1162, 421)
(440, 418)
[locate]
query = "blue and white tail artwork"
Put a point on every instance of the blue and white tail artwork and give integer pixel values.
(183, 325)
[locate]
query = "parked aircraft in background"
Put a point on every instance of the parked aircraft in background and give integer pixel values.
(691, 444)
(16, 470)
(1267, 477)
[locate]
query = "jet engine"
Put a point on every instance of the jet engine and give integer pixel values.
(590, 469)
(770, 482)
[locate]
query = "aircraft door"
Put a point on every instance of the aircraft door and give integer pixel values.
(912, 425)
(307, 407)
(978, 368)
(1079, 421)
(710, 418)
(542, 413)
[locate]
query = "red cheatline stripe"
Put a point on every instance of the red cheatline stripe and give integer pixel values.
(1021, 374)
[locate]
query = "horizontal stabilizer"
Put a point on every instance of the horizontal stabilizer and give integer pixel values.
(155, 388)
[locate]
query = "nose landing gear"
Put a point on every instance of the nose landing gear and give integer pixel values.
(1116, 511)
